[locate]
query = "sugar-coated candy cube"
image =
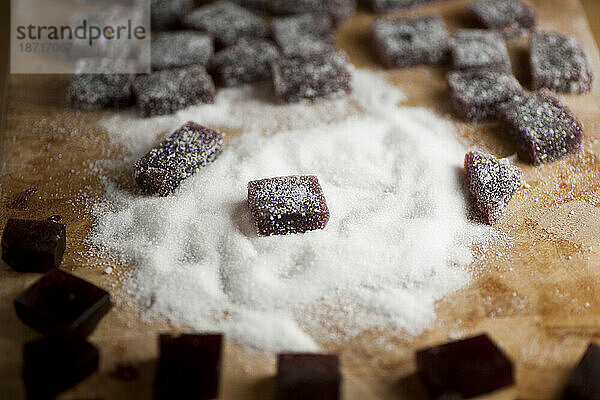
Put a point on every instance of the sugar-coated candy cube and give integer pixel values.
(492, 182)
(189, 366)
(476, 48)
(464, 368)
(288, 204)
(386, 6)
(62, 302)
(98, 91)
(321, 75)
(339, 10)
(180, 48)
(584, 381)
(542, 127)
(55, 363)
(304, 34)
(227, 22)
(408, 41)
(509, 17)
(303, 376)
(476, 95)
(179, 156)
(244, 63)
(559, 62)
(167, 14)
(167, 91)
(33, 246)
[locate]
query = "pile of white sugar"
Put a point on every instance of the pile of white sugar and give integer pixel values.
(398, 238)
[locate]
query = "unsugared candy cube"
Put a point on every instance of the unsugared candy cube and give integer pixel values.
(584, 382)
(492, 182)
(339, 10)
(464, 369)
(189, 366)
(476, 48)
(387, 6)
(303, 376)
(167, 14)
(304, 34)
(509, 17)
(476, 95)
(98, 91)
(542, 127)
(559, 62)
(408, 41)
(165, 92)
(181, 155)
(33, 246)
(180, 49)
(62, 302)
(244, 63)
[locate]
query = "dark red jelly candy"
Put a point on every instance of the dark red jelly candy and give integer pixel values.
(304, 34)
(244, 63)
(492, 182)
(559, 62)
(408, 41)
(543, 128)
(98, 91)
(465, 368)
(289, 204)
(189, 367)
(167, 14)
(182, 154)
(165, 92)
(475, 48)
(62, 302)
(584, 382)
(386, 6)
(509, 17)
(339, 10)
(55, 363)
(33, 246)
(180, 49)
(308, 376)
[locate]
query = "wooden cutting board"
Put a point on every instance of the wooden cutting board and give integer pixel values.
(539, 299)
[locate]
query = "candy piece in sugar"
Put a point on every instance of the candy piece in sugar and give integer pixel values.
(227, 22)
(98, 91)
(464, 368)
(189, 366)
(180, 49)
(339, 10)
(244, 63)
(167, 14)
(509, 17)
(33, 246)
(386, 6)
(559, 62)
(304, 34)
(584, 381)
(408, 41)
(543, 128)
(322, 75)
(165, 92)
(179, 156)
(492, 182)
(476, 95)
(476, 48)
(62, 302)
(308, 376)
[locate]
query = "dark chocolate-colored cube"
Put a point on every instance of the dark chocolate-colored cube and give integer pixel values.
(33, 246)
(244, 63)
(584, 382)
(509, 17)
(387, 6)
(180, 49)
(476, 48)
(559, 62)
(62, 302)
(308, 376)
(289, 204)
(543, 128)
(465, 368)
(165, 92)
(408, 41)
(167, 14)
(181, 155)
(189, 367)
(304, 34)
(339, 10)
(98, 91)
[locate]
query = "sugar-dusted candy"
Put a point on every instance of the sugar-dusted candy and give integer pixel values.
(98, 91)
(339, 10)
(59, 301)
(542, 127)
(408, 41)
(321, 75)
(33, 246)
(244, 63)
(387, 6)
(476, 95)
(308, 376)
(167, 91)
(179, 156)
(559, 62)
(584, 381)
(227, 22)
(509, 17)
(168, 14)
(464, 368)
(304, 34)
(476, 48)
(180, 49)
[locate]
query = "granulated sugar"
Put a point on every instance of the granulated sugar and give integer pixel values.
(398, 238)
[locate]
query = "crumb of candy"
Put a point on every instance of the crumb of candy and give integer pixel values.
(304, 34)
(510, 17)
(244, 63)
(476, 48)
(180, 48)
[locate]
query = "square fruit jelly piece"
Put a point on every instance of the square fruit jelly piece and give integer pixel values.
(339, 10)
(584, 381)
(304, 34)
(308, 376)
(289, 204)
(559, 62)
(180, 49)
(543, 128)
(386, 6)
(97, 91)
(168, 14)
(244, 63)
(179, 156)
(509, 17)
(476, 48)
(408, 41)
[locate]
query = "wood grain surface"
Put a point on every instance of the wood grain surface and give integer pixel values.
(538, 297)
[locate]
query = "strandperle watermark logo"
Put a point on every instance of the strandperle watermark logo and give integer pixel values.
(80, 36)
